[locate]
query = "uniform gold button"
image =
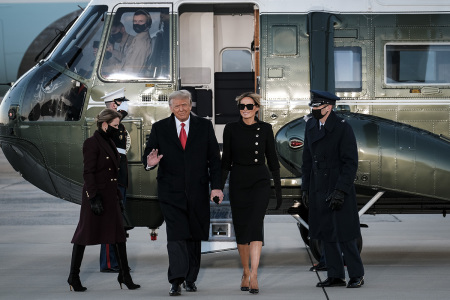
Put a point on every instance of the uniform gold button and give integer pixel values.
(257, 135)
(107, 157)
(109, 169)
(112, 179)
(256, 143)
(256, 160)
(257, 128)
(256, 152)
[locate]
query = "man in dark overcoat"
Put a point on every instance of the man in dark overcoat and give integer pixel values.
(186, 151)
(330, 162)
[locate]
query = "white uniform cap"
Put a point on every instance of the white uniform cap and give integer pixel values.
(116, 95)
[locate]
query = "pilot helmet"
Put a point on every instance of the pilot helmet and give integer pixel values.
(319, 98)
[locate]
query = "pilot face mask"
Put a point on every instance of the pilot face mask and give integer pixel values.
(108, 54)
(139, 27)
(317, 113)
(116, 37)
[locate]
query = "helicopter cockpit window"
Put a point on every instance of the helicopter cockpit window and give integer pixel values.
(138, 46)
(348, 69)
(423, 64)
(77, 52)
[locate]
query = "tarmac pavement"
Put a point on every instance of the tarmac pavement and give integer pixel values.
(405, 256)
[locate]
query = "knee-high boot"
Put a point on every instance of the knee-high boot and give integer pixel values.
(124, 273)
(74, 276)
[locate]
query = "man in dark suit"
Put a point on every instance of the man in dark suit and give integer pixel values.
(330, 162)
(186, 151)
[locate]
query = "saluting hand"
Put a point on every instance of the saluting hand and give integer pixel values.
(153, 158)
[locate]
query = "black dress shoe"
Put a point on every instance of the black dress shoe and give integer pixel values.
(189, 286)
(319, 267)
(332, 281)
(175, 289)
(355, 282)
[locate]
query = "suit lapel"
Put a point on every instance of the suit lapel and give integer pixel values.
(173, 131)
(315, 133)
(193, 130)
(105, 145)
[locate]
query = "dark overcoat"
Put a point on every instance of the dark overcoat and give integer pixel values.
(330, 161)
(100, 171)
(184, 176)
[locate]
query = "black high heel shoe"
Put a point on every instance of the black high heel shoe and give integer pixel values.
(244, 288)
(75, 284)
(253, 291)
(126, 279)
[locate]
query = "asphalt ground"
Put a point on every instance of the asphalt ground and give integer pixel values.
(405, 256)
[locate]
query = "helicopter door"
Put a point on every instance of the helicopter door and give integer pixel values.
(216, 64)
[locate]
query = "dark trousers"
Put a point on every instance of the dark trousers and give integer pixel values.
(108, 258)
(335, 261)
(184, 260)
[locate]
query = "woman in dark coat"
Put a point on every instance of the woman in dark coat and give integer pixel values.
(101, 221)
(246, 146)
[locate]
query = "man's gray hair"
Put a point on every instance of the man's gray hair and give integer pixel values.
(181, 94)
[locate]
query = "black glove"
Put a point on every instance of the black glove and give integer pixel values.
(305, 199)
(336, 200)
(294, 210)
(122, 207)
(277, 184)
(123, 113)
(96, 205)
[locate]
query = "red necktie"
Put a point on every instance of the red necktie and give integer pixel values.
(183, 137)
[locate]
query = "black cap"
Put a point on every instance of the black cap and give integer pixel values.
(319, 98)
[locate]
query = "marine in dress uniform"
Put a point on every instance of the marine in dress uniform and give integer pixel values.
(330, 162)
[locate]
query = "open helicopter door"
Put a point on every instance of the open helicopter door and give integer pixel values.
(216, 65)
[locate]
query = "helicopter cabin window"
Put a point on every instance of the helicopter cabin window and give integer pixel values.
(138, 46)
(236, 60)
(77, 53)
(57, 90)
(347, 66)
(413, 64)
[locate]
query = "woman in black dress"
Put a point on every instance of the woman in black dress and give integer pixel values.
(247, 144)
(101, 221)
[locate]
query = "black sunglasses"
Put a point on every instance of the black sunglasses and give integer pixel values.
(243, 106)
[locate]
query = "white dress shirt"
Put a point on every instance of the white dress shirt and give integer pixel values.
(186, 126)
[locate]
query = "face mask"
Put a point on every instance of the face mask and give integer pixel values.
(108, 55)
(317, 113)
(139, 28)
(111, 131)
(116, 37)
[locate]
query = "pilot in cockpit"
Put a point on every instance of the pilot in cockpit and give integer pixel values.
(140, 49)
